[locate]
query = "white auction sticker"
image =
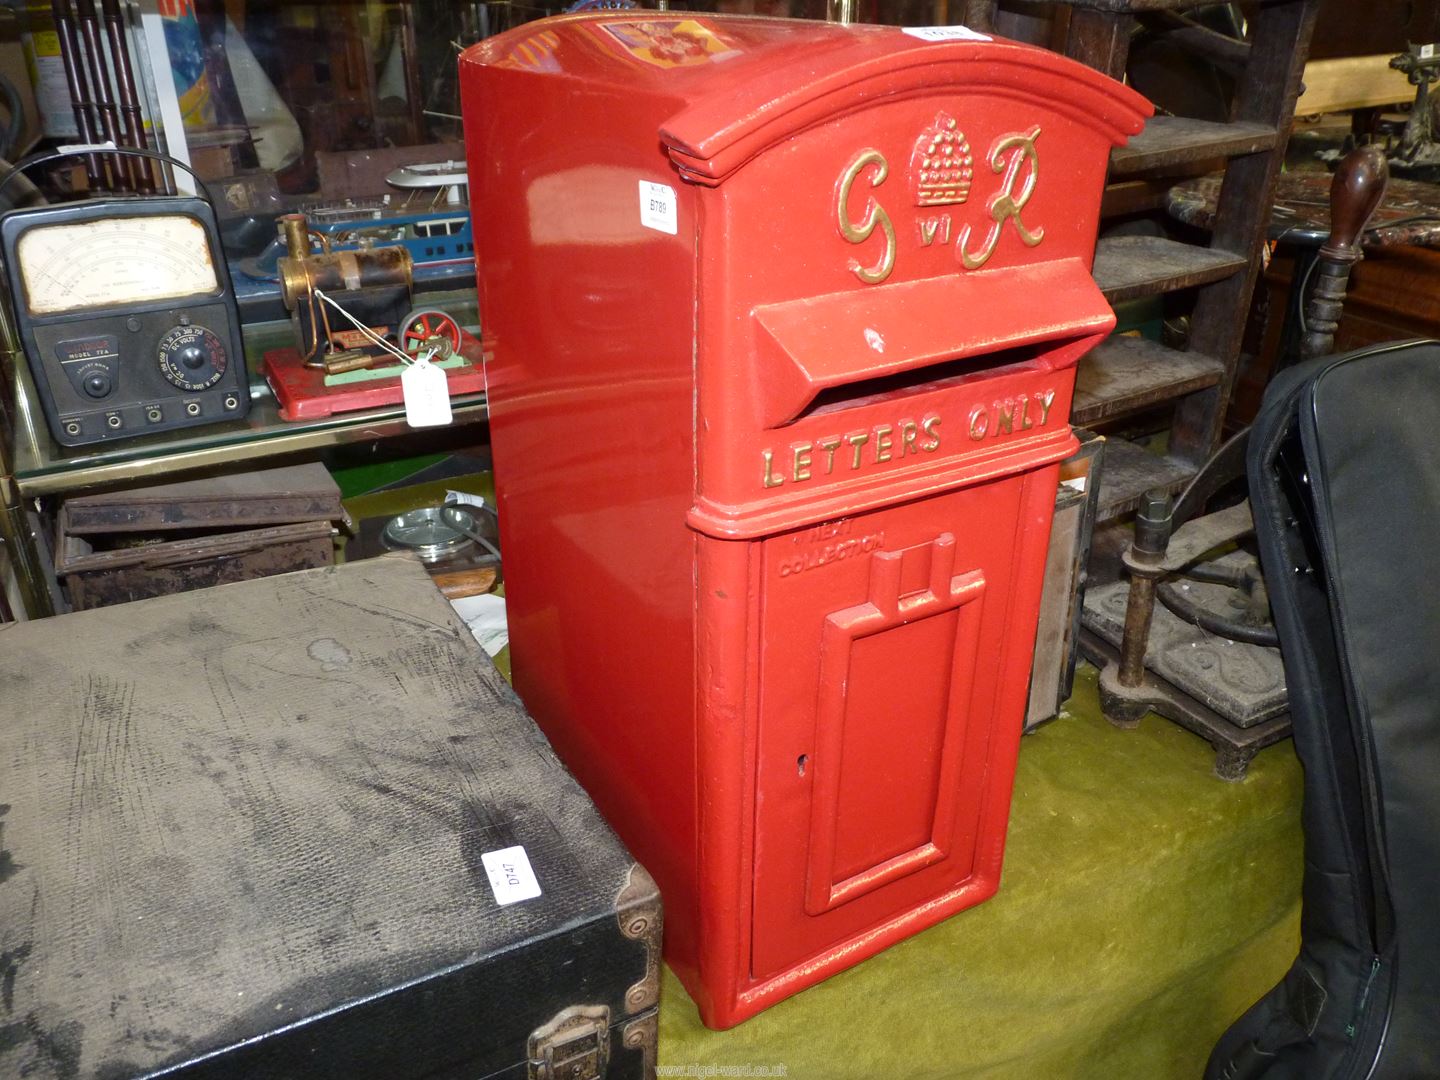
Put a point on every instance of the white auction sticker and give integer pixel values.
(511, 878)
(946, 33)
(658, 209)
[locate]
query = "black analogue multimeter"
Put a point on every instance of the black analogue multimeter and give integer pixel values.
(127, 318)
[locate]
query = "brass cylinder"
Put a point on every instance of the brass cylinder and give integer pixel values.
(297, 235)
(338, 271)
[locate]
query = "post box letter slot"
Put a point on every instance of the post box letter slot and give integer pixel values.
(824, 342)
(931, 634)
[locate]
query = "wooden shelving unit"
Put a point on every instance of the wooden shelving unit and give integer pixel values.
(1126, 376)
(1168, 141)
(1129, 267)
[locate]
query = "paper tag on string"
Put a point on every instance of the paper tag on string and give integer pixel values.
(427, 394)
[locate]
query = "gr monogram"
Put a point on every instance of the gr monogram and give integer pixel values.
(858, 233)
(1013, 157)
(1009, 155)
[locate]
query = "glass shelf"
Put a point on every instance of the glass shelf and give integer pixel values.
(43, 467)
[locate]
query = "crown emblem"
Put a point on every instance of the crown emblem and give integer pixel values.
(940, 164)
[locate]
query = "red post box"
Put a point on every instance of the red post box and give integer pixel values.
(784, 318)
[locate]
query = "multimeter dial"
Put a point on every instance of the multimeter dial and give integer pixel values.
(193, 358)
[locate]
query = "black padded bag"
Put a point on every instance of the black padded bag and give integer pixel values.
(1345, 483)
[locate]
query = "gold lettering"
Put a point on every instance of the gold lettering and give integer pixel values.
(857, 440)
(1025, 423)
(1006, 205)
(912, 438)
(1047, 399)
(928, 425)
(882, 443)
(1004, 417)
(933, 227)
(801, 471)
(979, 422)
(908, 431)
(858, 233)
(771, 480)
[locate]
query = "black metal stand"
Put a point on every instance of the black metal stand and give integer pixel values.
(1174, 539)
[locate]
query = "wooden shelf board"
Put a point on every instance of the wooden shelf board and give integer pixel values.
(1126, 374)
(1176, 140)
(1127, 267)
(1130, 471)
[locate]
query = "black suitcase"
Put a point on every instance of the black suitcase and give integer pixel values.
(251, 832)
(1344, 473)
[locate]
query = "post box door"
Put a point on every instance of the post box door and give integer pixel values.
(888, 643)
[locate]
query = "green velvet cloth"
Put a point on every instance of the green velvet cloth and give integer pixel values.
(1144, 905)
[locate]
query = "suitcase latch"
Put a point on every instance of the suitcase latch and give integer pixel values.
(575, 1045)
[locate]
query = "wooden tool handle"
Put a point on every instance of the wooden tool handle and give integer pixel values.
(462, 583)
(1355, 193)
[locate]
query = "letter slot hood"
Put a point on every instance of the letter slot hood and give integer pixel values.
(827, 342)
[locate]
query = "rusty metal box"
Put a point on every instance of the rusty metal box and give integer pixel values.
(1057, 638)
(785, 318)
(128, 545)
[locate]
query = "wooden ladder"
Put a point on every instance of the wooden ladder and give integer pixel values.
(1125, 375)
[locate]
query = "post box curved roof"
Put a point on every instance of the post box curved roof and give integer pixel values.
(713, 136)
(742, 84)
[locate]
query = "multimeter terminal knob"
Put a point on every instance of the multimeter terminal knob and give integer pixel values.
(98, 384)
